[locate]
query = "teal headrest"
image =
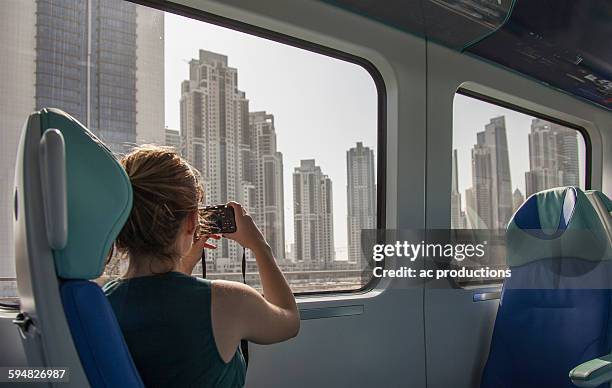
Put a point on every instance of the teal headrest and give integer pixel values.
(556, 223)
(99, 198)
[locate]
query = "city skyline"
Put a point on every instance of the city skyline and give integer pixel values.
(239, 159)
(553, 157)
(127, 81)
(490, 201)
(470, 116)
(119, 91)
(311, 96)
(235, 150)
(278, 103)
(151, 65)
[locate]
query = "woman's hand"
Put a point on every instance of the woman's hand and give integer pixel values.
(194, 255)
(247, 233)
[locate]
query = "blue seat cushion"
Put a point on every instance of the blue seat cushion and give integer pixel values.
(541, 334)
(97, 337)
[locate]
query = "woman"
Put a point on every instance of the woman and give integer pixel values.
(181, 330)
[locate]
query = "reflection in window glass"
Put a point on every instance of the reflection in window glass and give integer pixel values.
(289, 133)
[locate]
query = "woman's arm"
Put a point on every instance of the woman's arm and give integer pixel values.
(266, 319)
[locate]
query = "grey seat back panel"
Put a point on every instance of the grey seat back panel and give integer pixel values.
(602, 211)
(48, 341)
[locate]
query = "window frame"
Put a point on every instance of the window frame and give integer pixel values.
(588, 151)
(381, 140)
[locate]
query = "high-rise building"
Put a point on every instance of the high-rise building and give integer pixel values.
(517, 199)
(458, 220)
(290, 252)
(111, 75)
(173, 139)
(568, 162)
(99, 60)
(67, 62)
(313, 215)
(150, 91)
(216, 137)
(361, 197)
(18, 79)
(491, 180)
(266, 167)
(495, 138)
(482, 187)
(553, 157)
(543, 166)
(472, 221)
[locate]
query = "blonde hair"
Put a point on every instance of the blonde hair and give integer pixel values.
(166, 189)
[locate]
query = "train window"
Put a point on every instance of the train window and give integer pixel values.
(291, 133)
(501, 155)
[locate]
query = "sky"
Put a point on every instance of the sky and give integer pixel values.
(321, 106)
(470, 116)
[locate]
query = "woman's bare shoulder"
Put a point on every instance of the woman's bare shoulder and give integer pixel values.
(229, 291)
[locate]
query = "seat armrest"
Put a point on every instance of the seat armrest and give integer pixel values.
(593, 372)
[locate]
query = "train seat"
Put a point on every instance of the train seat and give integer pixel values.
(87, 198)
(603, 206)
(554, 309)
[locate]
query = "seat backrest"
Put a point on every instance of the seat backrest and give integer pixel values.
(555, 308)
(603, 206)
(86, 198)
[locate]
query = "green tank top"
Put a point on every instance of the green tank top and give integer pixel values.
(166, 323)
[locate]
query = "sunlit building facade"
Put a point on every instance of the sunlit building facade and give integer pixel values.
(313, 216)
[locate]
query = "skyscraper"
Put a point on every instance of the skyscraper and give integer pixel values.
(267, 177)
(361, 197)
(18, 79)
(543, 166)
(491, 183)
(517, 199)
(313, 215)
(495, 138)
(567, 146)
(553, 157)
(216, 137)
(482, 187)
(472, 221)
(173, 139)
(150, 90)
(111, 75)
(99, 60)
(457, 215)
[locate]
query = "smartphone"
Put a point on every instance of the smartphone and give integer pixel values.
(221, 218)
